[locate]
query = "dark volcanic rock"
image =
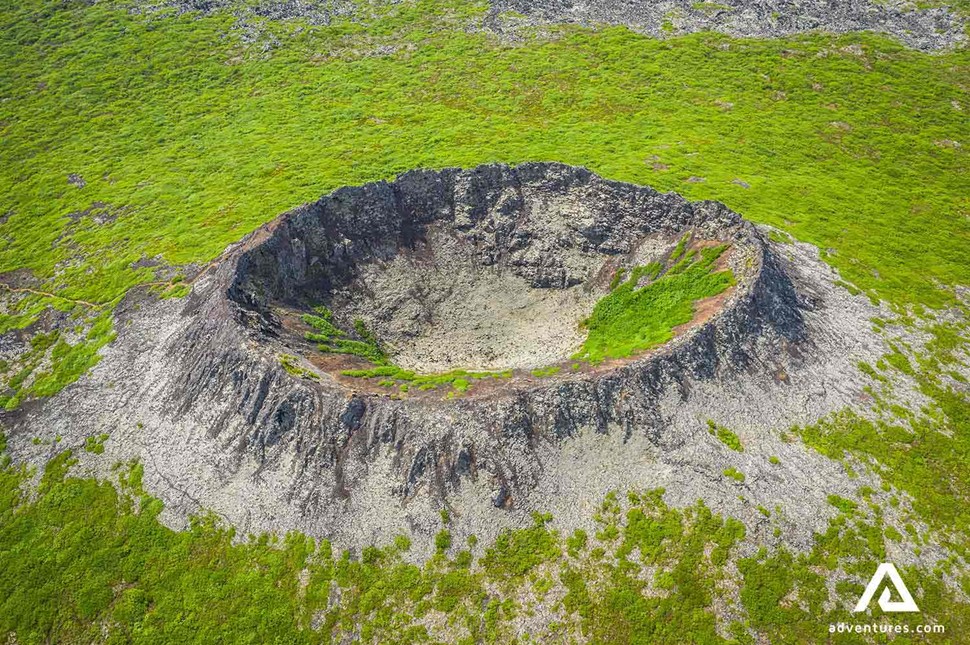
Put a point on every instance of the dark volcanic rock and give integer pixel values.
(317, 251)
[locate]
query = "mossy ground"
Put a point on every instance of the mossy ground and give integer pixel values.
(331, 339)
(52, 362)
(83, 561)
(191, 135)
(189, 138)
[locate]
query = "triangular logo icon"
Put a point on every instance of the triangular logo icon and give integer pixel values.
(906, 604)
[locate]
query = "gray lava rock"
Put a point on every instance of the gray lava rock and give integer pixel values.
(921, 28)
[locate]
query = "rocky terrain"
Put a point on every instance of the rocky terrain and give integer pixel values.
(195, 388)
(918, 26)
(922, 28)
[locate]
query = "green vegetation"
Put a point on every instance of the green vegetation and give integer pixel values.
(331, 339)
(632, 318)
(179, 290)
(95, 445)
(290, 363)
(516, 553)
(726, 437)
(191, 137)
(88, 561)
(684, 549)
(458, 380)
(66, 362)
(543, 372)
(710, 7)
(734, 474)
(845, 505)
(117, 568)
(923, 454)
(785, 594)
(181, 116)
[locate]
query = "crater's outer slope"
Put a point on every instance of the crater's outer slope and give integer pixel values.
(195, 389)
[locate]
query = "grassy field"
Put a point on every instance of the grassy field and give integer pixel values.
(126, 138)
(186, 138)
(133, 145)
(89, 562)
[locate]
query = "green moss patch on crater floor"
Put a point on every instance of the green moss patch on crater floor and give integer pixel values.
(635, 317)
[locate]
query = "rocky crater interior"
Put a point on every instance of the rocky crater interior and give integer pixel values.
(491, 272)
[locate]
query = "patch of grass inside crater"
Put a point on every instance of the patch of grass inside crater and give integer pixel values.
(392, 375)
(332, 339)
(633, 318)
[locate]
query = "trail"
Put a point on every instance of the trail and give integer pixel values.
(48, 294)
(94, 305)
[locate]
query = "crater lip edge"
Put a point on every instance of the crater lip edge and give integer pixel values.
(499, 262)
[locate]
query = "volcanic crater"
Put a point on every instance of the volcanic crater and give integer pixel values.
(495, 341)
(483, 281)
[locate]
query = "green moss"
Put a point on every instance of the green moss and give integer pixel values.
(725, 436)
(442, 541)
(923, 461)
(780, 237)
(116, 97)
(632, 318)
(685, 548)
(67, 362)
(290, 363)
(95, 445)
(576, 542)
(516, 553)
(893, 534)
(845, 505)
(458, 380)
(179, 290)
(734, 474)
(786, 595)
(332, 339)
(543, 372)
(617, 278)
